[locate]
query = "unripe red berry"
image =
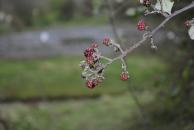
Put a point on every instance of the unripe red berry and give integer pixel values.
(147, 3)
(106, 41)
(187, 24)
(92, 83)
(90, 60)
(141, 25)
(124, 76)
(88, 52)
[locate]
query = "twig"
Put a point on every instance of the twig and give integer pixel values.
(105, 58)
(93, 69)
(139, 43)
(124, 67)
(124, 4)
(112, 21)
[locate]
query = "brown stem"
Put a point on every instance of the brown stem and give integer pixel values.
(136, 45)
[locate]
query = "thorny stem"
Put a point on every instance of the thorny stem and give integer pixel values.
(136, 45)
(139, 43)
(173, 15)
(124, 65)
(97, 70)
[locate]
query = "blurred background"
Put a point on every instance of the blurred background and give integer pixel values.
(42, 43)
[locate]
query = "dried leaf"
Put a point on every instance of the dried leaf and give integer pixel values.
(191, 32)
(166, 5)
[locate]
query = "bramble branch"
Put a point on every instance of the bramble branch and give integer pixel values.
(93, 68)
(139, 43)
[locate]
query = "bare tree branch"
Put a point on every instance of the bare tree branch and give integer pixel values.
(112, 21)
(139, 43)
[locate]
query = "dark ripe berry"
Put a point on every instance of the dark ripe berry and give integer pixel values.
(141, 25)
(187, 24)
(124, 76)
(106, 41)
(92, 83)
(147, 3)
(88, 52)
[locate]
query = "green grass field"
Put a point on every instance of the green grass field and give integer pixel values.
(106, 113)
(61, 77)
